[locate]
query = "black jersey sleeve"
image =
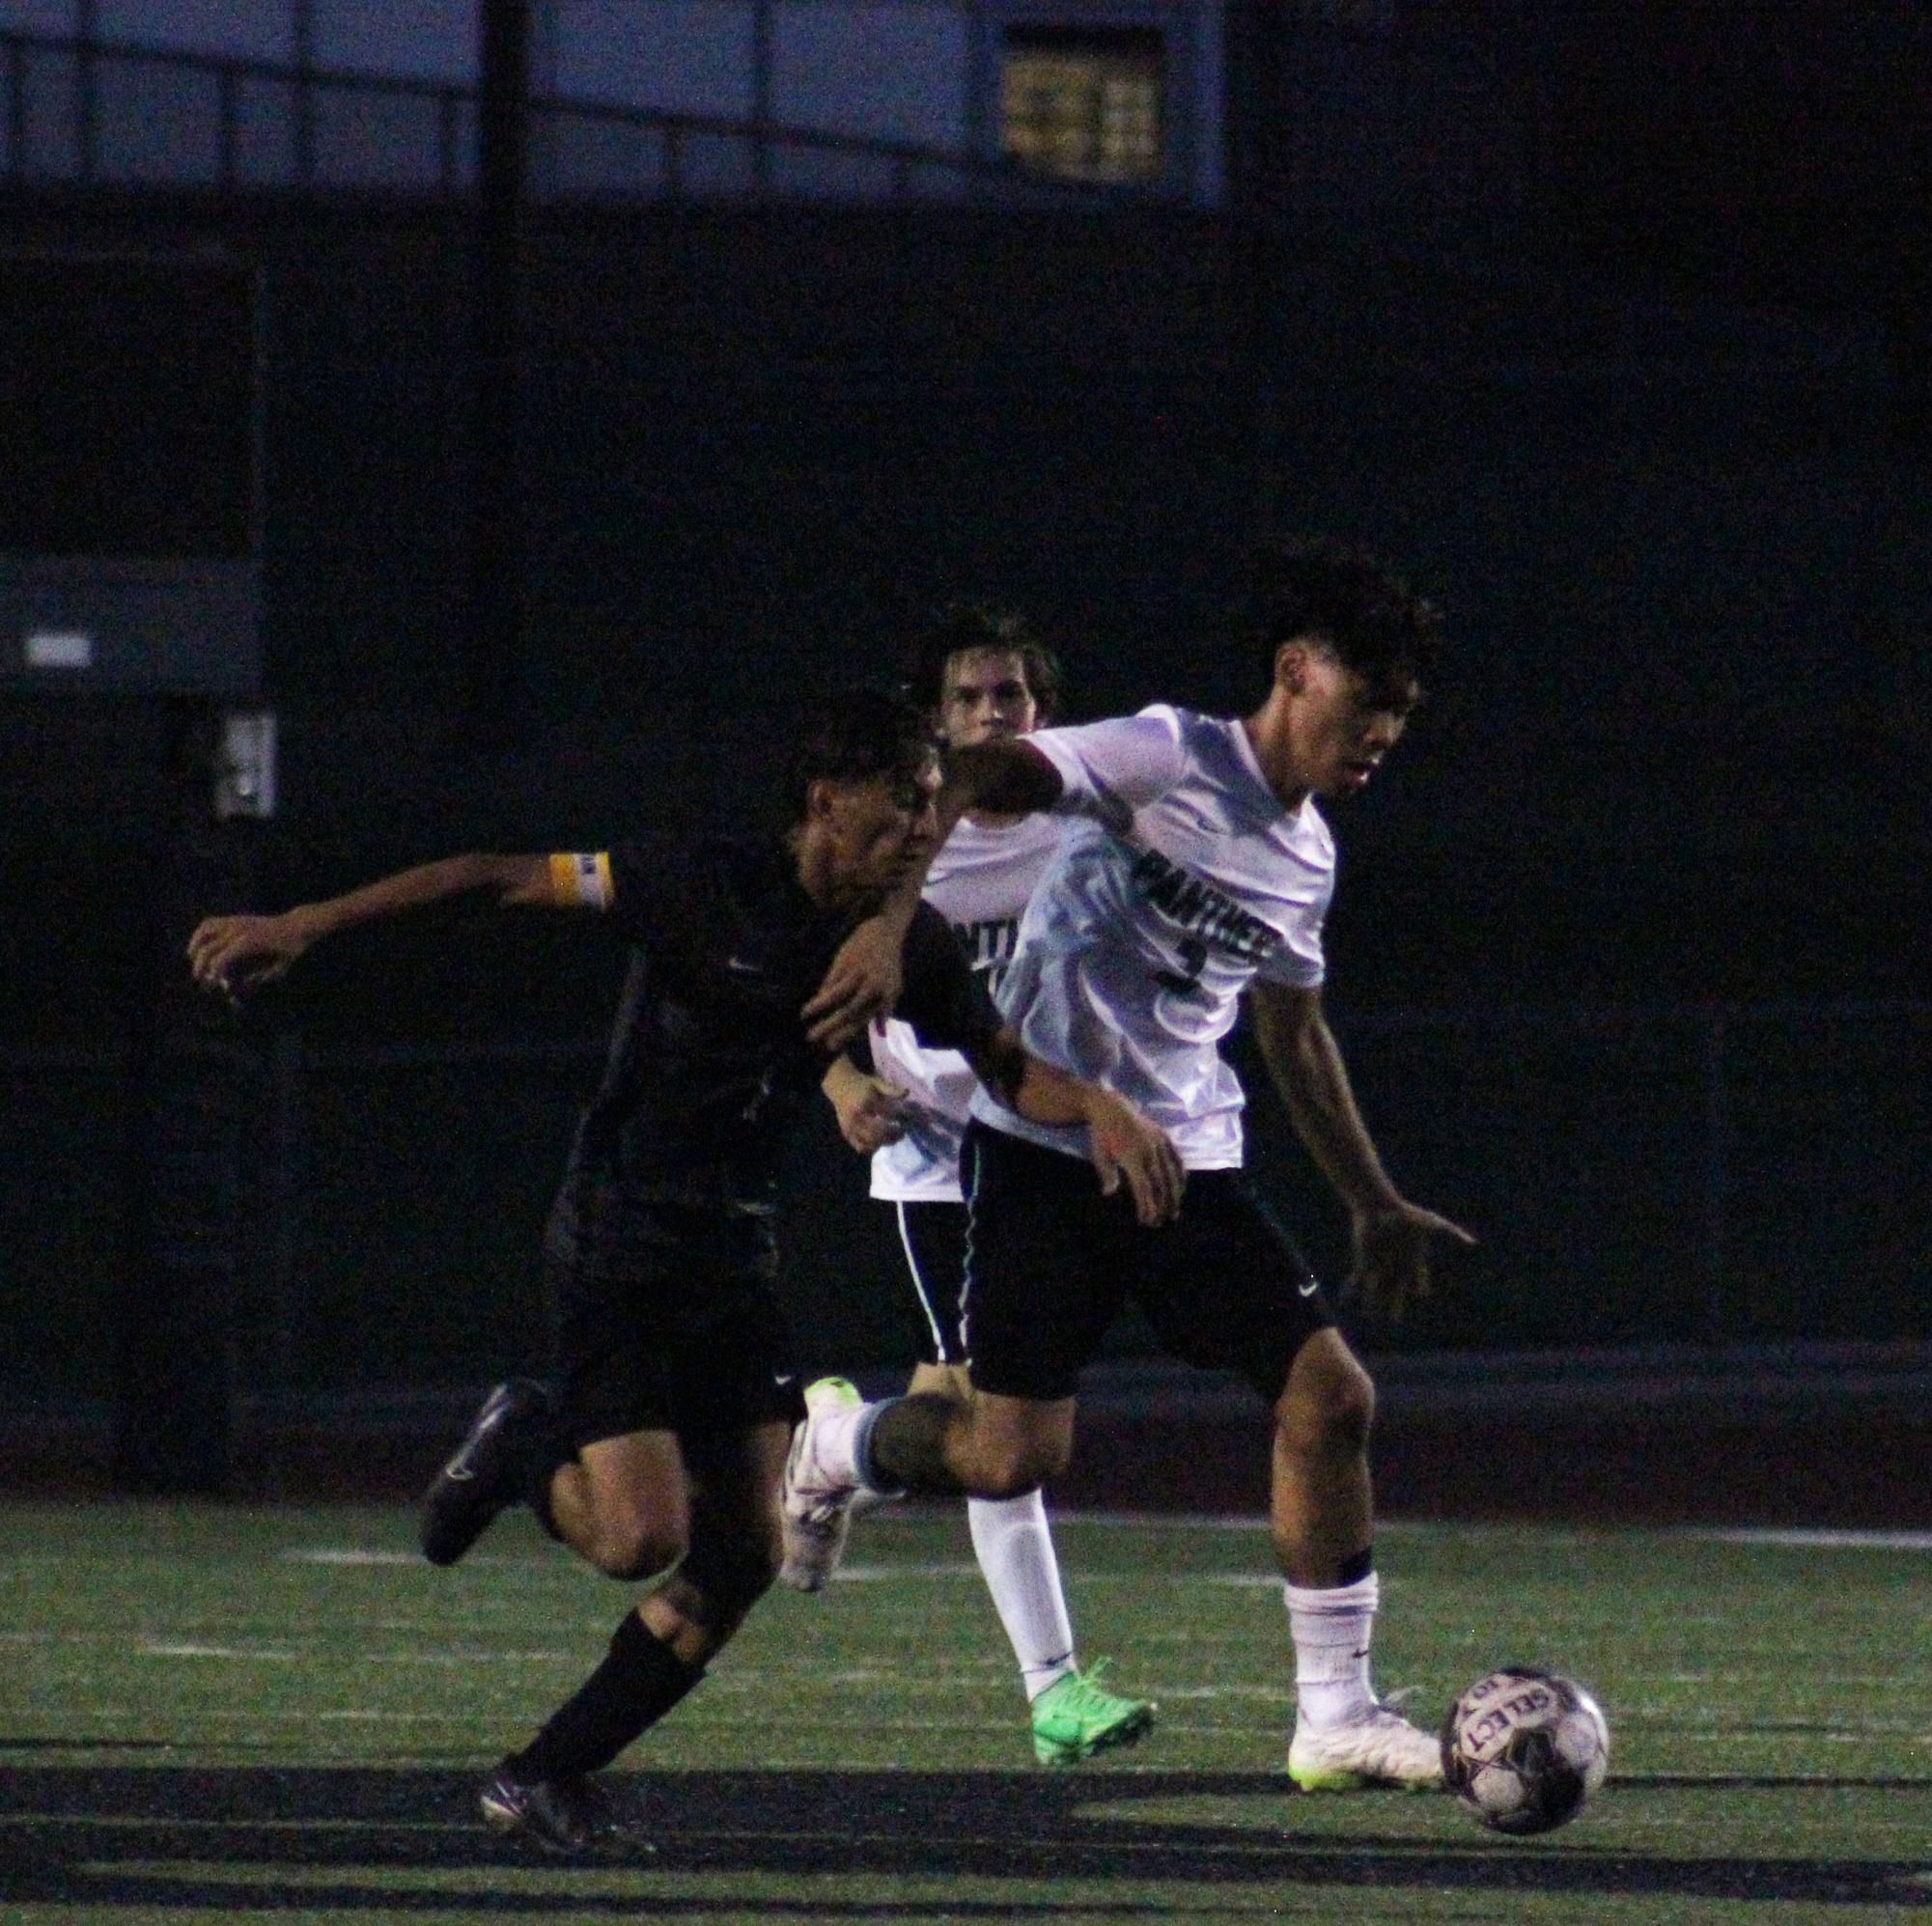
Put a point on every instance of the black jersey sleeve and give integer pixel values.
(945, 1003)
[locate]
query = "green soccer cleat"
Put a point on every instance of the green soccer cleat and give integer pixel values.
(1075, 1716)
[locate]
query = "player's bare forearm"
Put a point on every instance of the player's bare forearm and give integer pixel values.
(1123, 1145)
(870, 1111)
(1305, 1063)
(1390, 1237)
(866, 973)
(1027, 1086)
(512, 880)
(241, 952)
(1007, 776)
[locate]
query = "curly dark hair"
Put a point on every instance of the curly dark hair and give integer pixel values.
(965, 626)
(1340, 595)
(852, 735)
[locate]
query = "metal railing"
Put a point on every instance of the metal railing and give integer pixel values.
(93, 114)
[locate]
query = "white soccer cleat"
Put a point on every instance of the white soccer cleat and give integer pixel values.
(865, 1501)
(817, 1497)
(1381, 1750)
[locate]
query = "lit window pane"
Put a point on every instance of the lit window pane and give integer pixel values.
(1085, 105)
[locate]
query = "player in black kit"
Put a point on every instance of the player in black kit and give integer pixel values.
(663, 1448)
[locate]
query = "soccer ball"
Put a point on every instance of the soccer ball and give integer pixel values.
(1524, 1748)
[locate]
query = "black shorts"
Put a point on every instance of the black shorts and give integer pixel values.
(1050, 1261)
(932, 1235)
(674, 1327)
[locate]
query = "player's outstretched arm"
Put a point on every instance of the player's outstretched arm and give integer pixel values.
(236, 954)
(1123, 1145)
(1008, 776)
(871, 1113)
(1390, 1237)
(866, 975)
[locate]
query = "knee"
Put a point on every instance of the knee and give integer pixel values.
(635, 1548)
(1011, 1469)
(1327, 1412)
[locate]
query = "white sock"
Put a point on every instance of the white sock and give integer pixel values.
(1333, 1628)
(834, 1439)
(1016, 1555)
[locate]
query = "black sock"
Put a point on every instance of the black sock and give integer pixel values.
(637, 1684)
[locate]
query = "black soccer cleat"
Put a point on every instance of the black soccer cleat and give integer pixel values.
(485, 1473)
(565, 1818)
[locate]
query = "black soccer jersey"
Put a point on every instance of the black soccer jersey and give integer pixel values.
(708, 1063)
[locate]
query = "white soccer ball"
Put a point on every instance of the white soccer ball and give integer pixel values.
(1523, 1749)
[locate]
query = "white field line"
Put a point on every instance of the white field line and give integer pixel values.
(362, 1555)
(266, 1654)
(852, 1574)
(1821, 1539)
(1171, 1522)
(757, 1720)
(1828, 1537)
(316, 1655)
(884, 1575)
(347, 1555)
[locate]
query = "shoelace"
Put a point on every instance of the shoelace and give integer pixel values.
(1086, 1690)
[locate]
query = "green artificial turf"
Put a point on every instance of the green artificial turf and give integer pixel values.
(213, 1712)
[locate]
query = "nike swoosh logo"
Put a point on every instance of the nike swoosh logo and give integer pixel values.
(1309, 1289)
(459, 1477)
(738, 966)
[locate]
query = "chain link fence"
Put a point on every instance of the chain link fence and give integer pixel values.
(1706, 1177)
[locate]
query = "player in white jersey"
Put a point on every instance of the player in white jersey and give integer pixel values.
(1198, 874)
(983, 676)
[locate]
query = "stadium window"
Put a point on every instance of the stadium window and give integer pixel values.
(1084, 104)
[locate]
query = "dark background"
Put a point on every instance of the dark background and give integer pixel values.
(1621, 354)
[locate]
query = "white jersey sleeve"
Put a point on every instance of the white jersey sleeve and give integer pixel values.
(1109, 769)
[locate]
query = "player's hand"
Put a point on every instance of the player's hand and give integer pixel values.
(233, 955)
(1389, 1267)
(1126, 1148)
(871, 1113)
(863, 981)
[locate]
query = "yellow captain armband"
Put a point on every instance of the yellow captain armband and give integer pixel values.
(581, 880)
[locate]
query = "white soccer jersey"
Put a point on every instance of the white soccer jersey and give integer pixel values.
(979, 882)
(1184, 881)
